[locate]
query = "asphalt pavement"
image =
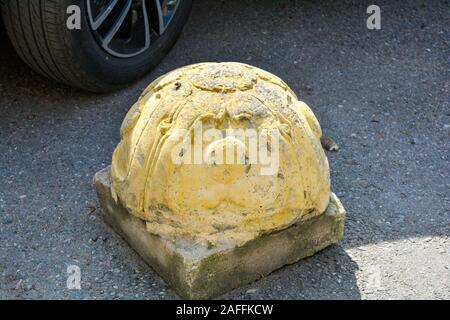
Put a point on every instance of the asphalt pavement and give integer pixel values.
(383, 95)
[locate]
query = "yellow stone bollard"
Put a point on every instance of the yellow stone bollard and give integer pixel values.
(220, 178)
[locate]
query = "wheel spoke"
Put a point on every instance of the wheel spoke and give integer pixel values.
(147, 24)
(165, 10)
(97, 21)
(126, 28)
(117, 24)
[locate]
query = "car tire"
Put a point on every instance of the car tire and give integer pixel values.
(81, 57)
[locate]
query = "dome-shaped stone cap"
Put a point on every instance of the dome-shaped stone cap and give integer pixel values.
(225, 202)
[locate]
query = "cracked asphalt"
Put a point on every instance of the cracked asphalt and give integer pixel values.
(383, 95)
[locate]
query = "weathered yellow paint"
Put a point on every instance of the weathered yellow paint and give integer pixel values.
(226, 202)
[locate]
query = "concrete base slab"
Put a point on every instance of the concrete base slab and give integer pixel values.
(198, 272)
